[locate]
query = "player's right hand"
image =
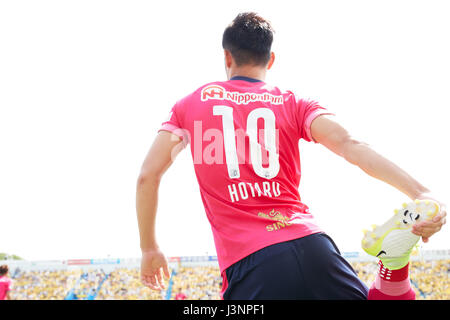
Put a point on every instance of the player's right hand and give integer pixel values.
(426, 229)
(153, 268)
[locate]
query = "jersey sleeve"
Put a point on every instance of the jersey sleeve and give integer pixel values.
(307, 111)
(174, 123)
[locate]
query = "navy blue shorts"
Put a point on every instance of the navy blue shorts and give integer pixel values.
(302, 269)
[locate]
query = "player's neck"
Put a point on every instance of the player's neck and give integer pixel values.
(249, 72)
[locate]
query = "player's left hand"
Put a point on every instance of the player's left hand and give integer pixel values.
(426, 229)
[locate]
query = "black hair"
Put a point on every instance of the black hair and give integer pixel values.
(3, 270)
(249, 39)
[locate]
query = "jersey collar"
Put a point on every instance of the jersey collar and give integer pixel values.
(245, 79)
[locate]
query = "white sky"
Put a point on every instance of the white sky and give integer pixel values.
(84, 86)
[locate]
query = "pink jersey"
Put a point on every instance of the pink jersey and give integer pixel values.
(5, 286)
(244, 138)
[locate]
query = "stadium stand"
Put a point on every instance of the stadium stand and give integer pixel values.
(193, 278)
(124, 284)
(87, 285)
(43, 285)
(197, 283)
(432, 279)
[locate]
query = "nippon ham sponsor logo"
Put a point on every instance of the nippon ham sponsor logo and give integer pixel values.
(216, 92)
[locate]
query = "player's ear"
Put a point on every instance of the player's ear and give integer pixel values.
(271, 61)
(228, 58)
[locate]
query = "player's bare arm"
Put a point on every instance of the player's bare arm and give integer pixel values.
(161, 155)
(326, 131)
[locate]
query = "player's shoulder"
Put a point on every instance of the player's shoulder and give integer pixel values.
(5, 279)
(290, 97)
(299, 98)
(209, 88)
(196, 93)
(294, 94)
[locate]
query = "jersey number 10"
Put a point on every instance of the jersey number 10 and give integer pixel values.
(229, 139)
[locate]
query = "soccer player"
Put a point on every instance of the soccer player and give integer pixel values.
(244, 134)
(5, 283)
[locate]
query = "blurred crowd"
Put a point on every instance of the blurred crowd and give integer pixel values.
(197, 283)
(43, 285)
(430, 280)
(87, 285)
(125, 284)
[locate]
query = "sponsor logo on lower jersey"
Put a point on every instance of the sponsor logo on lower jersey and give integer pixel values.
(281, 221)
